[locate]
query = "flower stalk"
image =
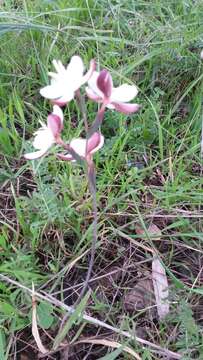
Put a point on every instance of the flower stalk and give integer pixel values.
(91, 174)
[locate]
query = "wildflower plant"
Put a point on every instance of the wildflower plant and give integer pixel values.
(65, 85)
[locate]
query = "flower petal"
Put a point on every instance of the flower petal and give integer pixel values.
(105, 83)
(126, 108)
(79, 146)
(55, 124)
(35, 155)
(53, 91)
(54, 76)
(63, 100)
(74, 72)
(92, 84)
(95, 142)
(92, 96)
(60, 68)
(76, 65)
(44, 139)
(124, 93)
(59, 102)
(57, 111)
(89, 73)
(110, 106)
(67, 157)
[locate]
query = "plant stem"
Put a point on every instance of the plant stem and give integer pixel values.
(82, 107)
(91, 175)
(92, 187)
(98, 121)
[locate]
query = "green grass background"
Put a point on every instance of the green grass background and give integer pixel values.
(149, 171)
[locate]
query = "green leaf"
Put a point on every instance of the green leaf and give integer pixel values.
(18, 323)
(74, 317)
(7, 27)
(44, 317)
(113, 355)
(7, 309)
(3, 242)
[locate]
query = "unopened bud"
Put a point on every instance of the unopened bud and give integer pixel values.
(55, 124)
(93, 142)
(104, 83)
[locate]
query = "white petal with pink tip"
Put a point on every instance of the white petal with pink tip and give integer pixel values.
(45, 136)
(124, 93)
(82, 146)
(57, 111)
(35, 155)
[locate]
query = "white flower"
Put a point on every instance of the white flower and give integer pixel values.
(65, 81)
(83, 147)
(100, 89)
(201, 55)
(46, 136)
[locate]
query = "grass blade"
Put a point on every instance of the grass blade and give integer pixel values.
(113, 355)
(75, 316)
(2, 345)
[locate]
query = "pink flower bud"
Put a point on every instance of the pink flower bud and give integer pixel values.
(54, 124)
(104, 83)
(93, 142)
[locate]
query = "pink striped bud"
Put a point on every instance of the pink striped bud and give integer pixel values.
(55, 124)
(104, 83)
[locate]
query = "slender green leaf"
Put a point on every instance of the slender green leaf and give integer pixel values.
(113, 355)
(2, 345)
(74, 317)
(7, 27)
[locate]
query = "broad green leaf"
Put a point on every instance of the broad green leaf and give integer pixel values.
(7, 309)
(44, 316)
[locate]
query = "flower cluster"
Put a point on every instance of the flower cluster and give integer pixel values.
(64, 86)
